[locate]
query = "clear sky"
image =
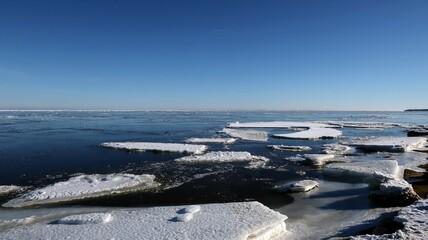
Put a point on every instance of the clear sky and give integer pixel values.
(205, 55)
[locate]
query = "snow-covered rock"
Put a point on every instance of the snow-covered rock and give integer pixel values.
(10, 189)
(221, 156)
(157, 147)
(251, 135)
(391, 144)
(299, 186)
(312, 134)
(211, 140)
(84, 186)
(290, 148)
(240, 220)
(278, 124)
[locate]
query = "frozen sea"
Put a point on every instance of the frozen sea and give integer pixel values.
(38, 148)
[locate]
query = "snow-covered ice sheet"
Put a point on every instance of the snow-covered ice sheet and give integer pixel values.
(290, 148)
(211, 140)
(278, 124)
(240, 220)
(365, 170)
(312, 134)
(161, 147)
(84, 186)
(391, 144)
(299, 186)
(221, 156)
(251, 135)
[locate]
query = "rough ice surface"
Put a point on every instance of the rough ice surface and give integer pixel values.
(239, 220)
(299, 186)
(391, 144)
(161, 147)
(367, 169)
(335, 148)
(312, 134)
(278, 124)
(90, 218)
(84, 186)
(9, 189)
(290, 148)
(211, 140)
(251, 135)
(414, 219)
(221, 156)
(321, 159)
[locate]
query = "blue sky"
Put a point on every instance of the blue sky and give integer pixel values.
(206, 55)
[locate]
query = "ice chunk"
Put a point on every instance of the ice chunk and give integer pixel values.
(312, 134)
(90, 218)
(321, 159)
(185, 217)
(239, 220)
(221, 156)
(211, 140)
(394, 192)
(299, 186)
(278, 124)
(379, 169)
(336, 149)
(192, 209)
(161, 147)
(10, 189)
(84, 186)
(251, 135)
(290, 148)
(391, 144)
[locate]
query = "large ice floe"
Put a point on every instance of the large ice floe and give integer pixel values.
(414, 219)
(240, 220)
(157, 147)
(312, 134)
(390, 144)
(211, 140)
(85, 186)
(251, 135)
(278, 124)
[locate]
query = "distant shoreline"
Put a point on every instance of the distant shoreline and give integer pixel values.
(416, 110)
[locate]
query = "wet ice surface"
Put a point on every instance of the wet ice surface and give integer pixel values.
(42, 148)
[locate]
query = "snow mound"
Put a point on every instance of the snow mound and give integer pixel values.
(91, 218)
(10, 189)
(211, 140)
(290, 148)
(391, 144)
(312, 134)
(84, 186)
(240, 220)
(158, 147)
(221, 156)
(278, 124)
(251, 135)
(299, 186)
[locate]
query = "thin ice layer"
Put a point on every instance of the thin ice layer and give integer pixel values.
(391, 144)
(161, 147)
(221, 156)
(84, 186)
(241, 220)
(251, 135)
(312, 134)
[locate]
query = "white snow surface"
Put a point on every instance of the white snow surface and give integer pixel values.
(221, 156)
(240, 220)
(290, 148)
(211, 140)
(7, 189)
(312, 134)
(299, 186)
(153, 146)
(278, 124)
(84, 186)
(251, 135)
(391, 144)
(415, 221)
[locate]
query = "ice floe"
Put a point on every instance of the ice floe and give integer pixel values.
(10, 189)
(84, 186)
(221, 156)
(312, 134)
(290, 148)
(278, 124)
(158, 147)
(251, 135)
(367, 170)
(299, 186)
(211, 140)
(390, 144)
(240, 220)
(321, 159)
(336, 149)
(414, 219)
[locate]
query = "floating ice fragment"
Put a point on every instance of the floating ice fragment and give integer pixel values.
(312, 134)
(152, 146)
(336, 149)
(85, 186)
(211, 140)
(251, 135)
(391, 144)
(221, 156)
(290, 148)
(299, 186)
(278, 124)
(321, 159)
